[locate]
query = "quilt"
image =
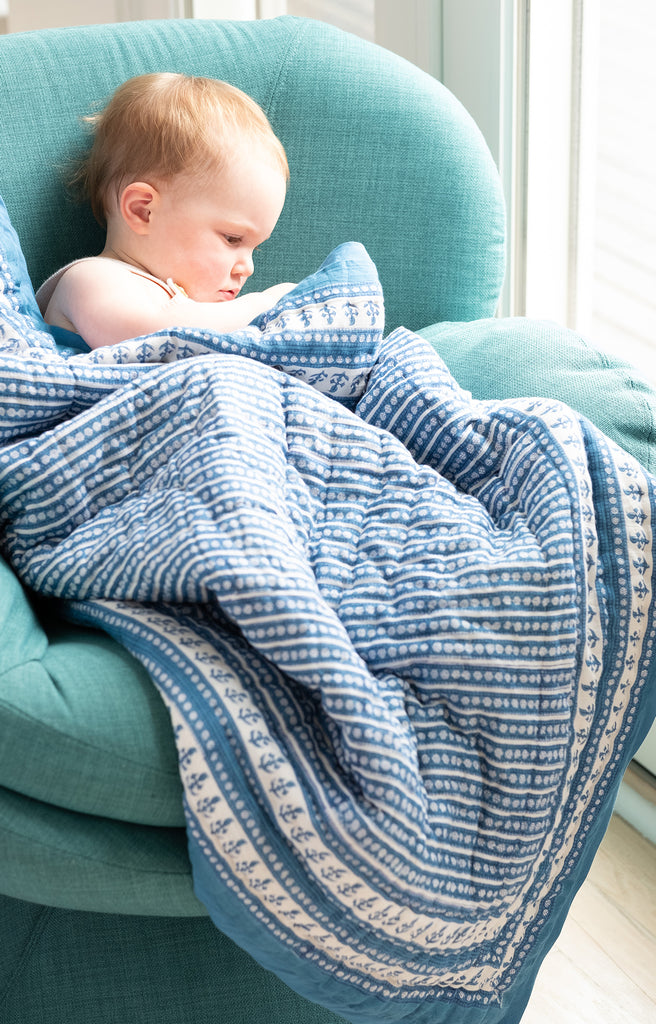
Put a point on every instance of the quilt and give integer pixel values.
(405, 637)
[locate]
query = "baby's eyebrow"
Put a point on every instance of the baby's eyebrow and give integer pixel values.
(233, 227)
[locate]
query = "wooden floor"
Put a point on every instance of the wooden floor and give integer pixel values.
(602, 970)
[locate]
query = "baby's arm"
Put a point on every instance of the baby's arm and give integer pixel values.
(106, 303)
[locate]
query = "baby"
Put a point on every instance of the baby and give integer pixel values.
(188, 178)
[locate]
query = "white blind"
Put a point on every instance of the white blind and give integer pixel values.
(624, 272)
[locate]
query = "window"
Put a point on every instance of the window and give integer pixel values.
(622, 290)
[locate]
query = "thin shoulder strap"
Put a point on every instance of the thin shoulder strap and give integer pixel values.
(44, 293)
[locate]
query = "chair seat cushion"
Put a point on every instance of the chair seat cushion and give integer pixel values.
(100, 737)
(63, 965)
(83, 862)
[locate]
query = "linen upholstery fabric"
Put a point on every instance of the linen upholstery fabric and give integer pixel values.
(104, 739)
(66, 967)
(384, 131)
(67, 859)
(516, 357)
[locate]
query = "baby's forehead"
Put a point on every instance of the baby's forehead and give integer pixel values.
(227, 156)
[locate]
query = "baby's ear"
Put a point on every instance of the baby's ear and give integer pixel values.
(136, 205)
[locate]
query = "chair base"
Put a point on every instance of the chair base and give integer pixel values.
(73, 967)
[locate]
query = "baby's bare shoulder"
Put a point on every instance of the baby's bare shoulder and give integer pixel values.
(105, 301)
(97, 268)
(104, 282)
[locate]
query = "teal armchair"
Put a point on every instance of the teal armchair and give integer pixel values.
(98, 919)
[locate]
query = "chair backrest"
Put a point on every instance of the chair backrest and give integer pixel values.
(379, 152)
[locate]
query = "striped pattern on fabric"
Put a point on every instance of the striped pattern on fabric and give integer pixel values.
(402, 649)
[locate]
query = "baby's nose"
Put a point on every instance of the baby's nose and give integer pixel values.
(244, 265)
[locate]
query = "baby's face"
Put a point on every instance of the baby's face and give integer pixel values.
(205, 232)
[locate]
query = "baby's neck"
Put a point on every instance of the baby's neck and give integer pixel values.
(110, 253)
(123, 245)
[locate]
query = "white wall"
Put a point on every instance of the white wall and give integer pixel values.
(24, 15)
(30, 14)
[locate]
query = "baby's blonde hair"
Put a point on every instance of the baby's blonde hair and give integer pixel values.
(158, 125)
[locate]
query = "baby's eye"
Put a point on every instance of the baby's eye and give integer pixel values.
(232, 239)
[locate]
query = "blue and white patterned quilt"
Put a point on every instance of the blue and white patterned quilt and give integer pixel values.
(403, 647)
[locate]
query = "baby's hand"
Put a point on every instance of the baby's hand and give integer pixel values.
(252, 305)
(261, 302)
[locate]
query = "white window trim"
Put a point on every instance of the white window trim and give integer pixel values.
(232, 10)
(582, 212)
(271, 8)
(477, 49)
(235, 10)
(523, 69)
(483, 64)
(561, 127)
(141, 10)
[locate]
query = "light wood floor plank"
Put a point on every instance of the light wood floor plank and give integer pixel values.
(566, 994)
(602, 969)
(625, 945)
(625, 871)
